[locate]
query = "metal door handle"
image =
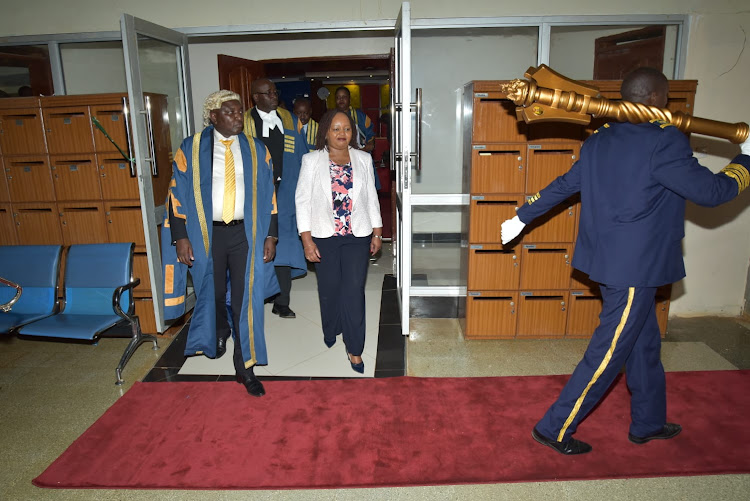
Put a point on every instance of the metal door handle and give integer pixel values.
(150, 125)
(125, 114)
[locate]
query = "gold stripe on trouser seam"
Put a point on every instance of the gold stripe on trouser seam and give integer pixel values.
(602, 366)
(197, 190)
(251, 249)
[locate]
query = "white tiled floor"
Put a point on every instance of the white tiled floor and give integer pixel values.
(295, 346)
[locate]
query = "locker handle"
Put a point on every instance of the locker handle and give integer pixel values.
(497, 202)
(492, 298)
(548, 251)
(553, 152)
(499, 152)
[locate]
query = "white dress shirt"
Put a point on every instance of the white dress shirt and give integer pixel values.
(271, 120)
(217, 184)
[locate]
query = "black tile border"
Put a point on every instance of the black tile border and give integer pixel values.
(390, 360)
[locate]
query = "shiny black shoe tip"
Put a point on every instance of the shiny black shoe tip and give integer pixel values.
(252, 384)
(221, 347)
(670, 430)
(283, 311)
(568, 448)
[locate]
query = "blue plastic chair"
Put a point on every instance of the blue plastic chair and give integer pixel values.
(35, 268)
(98, 280)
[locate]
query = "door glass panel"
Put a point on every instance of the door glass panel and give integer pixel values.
(443, 61)
(25, 71)
(79, 58)
(436, 245)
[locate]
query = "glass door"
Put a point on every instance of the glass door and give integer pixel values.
(401, 159)
(157, 74)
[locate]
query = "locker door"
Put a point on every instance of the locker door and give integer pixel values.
(487, 212)
(83, 223)
(546, 266)
(498, 168)
(555, 131)
(579, 280)
(7, 226)
(112, 119)
(37, 224)
(546, 161)
(76, 177)
(29, 179)
(493, 267)
(491, 314)
(4, 196)
(140, 270)
(583, 317)
(68, 130)
(663, 295)
(495, 120)
(117, 177)
(542, 314)
(125, 224)
(21, 132)
(557, 225)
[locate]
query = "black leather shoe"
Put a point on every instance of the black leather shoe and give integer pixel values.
(252, 384)
(283, 311)
(221, 347)
(569, 448)
(670, 430)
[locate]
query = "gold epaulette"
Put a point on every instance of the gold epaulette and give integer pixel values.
(661, 123)
(605, 126)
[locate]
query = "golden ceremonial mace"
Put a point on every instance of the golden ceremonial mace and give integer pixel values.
(548, 96)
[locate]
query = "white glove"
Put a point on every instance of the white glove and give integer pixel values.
(745, 147)
(510, 229)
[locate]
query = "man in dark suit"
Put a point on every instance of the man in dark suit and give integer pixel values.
(634, 180)
(279, 130)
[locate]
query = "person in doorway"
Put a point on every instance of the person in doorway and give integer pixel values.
(303, 110)
(279, 130)
(338, 217)
(364, 130)
(634, 180)
(221, 218)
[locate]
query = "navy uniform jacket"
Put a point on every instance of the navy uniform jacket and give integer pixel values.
(311, 134)
(189, 214)
(634, 180)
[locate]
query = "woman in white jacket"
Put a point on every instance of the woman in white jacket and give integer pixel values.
(338, 219)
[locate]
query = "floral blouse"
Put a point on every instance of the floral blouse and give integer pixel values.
(341, 183)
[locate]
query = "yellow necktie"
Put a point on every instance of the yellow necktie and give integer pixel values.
(227, 212)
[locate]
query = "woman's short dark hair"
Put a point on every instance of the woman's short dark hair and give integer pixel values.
(325, 124)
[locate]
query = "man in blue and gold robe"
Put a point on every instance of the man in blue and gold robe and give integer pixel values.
(221, 219)
(303, 111)
(279, 130)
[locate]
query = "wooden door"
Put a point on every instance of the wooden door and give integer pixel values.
(583, 315)
(547, 161)
(492, 266)
(112, 119)
(542, 314)
(125, 223)
(495, 119)
(487, 212)
(546, 266)
(21, 132)
(617, 55)
(7, 226)
(76, 177)
(37, 224)
(29, 179)
(4, 196)
(557, 225)
(68, 130)
(117, 178)
(498, 168)
(82, 223)
(237, 74)
(140, 270)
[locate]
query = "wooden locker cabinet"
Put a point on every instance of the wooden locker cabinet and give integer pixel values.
(117, 177)
(487, 212)
(68, 130)
(64, 182)
(37, 223)
(493, 266)
(21, 127)
(83, 223)
(542, 314)
(546, 266)
(505, 163)
(7, 226)
(29, 178)
(498, 168)
(491, 314)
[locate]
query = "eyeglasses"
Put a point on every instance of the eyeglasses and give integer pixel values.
(269, 93)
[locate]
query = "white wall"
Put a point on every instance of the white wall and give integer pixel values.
(717, 243)
(79, 59)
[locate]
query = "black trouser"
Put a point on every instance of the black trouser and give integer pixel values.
(342, 273)
(229, 252)
(284, 276)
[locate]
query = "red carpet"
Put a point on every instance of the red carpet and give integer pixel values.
(392, 432)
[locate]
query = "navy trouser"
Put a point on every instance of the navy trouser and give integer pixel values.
(284, 276)
(628, 334)
(342, 272)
